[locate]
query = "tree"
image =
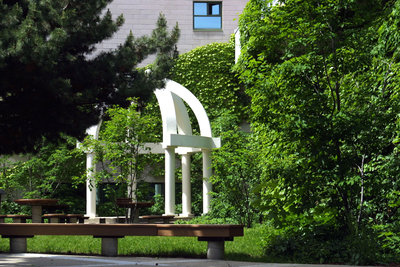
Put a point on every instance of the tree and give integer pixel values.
(51, 79)
(324, 112)
(121, 146)
(236, 173)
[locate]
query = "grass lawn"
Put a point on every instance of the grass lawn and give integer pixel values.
(246, 248)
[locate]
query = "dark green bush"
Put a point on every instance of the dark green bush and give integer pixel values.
(321, 244)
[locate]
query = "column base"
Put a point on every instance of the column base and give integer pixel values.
(185, 215)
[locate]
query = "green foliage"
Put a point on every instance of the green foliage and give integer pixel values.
(207, 219)
(51, 173)
(207, 72)
(324, 243)
(158, 207)
(236, 173)
(324, 110)
(52, 81)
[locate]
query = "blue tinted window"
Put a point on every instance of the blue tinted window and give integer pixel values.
(214, 9)
(200, 8)
(207, 22)
(207, 15)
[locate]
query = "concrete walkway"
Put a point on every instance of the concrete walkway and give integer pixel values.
(31, 259)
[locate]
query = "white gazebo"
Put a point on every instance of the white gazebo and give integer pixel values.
(177, 139)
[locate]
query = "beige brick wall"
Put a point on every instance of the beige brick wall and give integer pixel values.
(141, 16)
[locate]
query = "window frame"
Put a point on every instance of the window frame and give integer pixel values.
(208, 16)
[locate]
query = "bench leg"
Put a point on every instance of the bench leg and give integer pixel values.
(109, 246)
(18, 245)
(216, 250)
(215, 246)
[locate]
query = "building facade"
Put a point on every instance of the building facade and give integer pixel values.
(200, 22)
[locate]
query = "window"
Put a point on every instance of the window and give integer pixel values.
(207, 15)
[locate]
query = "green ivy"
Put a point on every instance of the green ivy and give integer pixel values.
(207, 72)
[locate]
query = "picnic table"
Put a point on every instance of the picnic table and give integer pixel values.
(37, 206)
(135, 207)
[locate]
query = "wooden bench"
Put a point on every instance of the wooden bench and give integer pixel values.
(215, 235)
(155, 218)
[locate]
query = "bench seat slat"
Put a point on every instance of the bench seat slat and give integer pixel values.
(201, 230)
(76, 229)
(19, 229)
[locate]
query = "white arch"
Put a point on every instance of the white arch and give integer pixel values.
(177, 133)
(168, 112)
(177, 137)
(94, 131)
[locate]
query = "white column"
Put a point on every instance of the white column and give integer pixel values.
(207, 186)
(186, 187)
(170, 181)
(90, 187)
(237, 45)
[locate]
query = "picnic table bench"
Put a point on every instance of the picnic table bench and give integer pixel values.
(215, 235)
(64, 218)
(17, 218)
(155, 218)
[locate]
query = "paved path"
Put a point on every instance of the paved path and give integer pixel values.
(38, 260)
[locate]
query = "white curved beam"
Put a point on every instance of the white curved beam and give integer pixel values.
(194, 104)
(168, 113)
(182, 116)
(94, 130)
